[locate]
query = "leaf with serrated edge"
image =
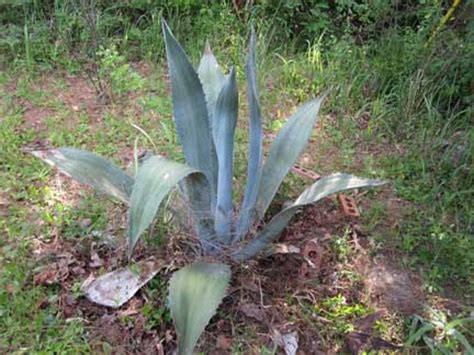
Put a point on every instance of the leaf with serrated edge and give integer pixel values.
(226, 119)
(195, 293)
(190, 111)
(284, 151)
(326, 186)
(90, 169)
(155, 179)
(254, 171)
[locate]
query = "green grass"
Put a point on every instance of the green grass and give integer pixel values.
(30, 320)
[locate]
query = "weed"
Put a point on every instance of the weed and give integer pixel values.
(340, 245)
(340, 313)
(440, 335)
(116, 73)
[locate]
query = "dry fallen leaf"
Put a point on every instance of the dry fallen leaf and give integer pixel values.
(96, 261)
(48, 276)
(289, 343)
(281, 248)
(159, 349)
(223, 342)
(367, 323)
(168, 336)
(117, 287)
(252, 310)
(11, 289)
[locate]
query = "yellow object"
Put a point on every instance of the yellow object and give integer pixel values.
(445, 19)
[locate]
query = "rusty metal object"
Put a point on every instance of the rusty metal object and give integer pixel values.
(348, 205)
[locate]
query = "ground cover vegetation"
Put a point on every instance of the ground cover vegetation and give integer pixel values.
(94, 75)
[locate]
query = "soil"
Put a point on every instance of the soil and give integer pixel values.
(264, 298)
(34, 117)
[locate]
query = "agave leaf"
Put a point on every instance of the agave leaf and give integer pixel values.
(195, 293)
(90, 169)
(284, 151)
(254, 172)
(155, 179)
(190, 111)
(326, 186)
(225, 121)
(212, 80)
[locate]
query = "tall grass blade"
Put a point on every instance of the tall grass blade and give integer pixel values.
(463, 340)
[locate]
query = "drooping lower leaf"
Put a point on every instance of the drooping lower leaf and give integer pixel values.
(225, 121)
(254, 172)
(190, 111)
(326, 186)
(284, 151)
(195, 293)
(90, 169)
(155, 179)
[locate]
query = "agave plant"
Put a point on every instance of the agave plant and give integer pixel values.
(205, 106)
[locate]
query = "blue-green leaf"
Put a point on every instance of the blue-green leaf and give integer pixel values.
(195, 293)
(155, 179)
(90, 169)
(326, 186)
(212, 80)
(190, 111)
(284, 151)
(254, 172)
(225, 121)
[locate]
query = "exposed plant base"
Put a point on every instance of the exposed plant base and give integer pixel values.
(267, 297)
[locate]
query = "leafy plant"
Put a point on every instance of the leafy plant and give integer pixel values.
(439, 335)
(120, 79)
(205, 106)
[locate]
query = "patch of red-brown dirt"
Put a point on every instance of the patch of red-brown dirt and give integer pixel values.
(79, 96)
(34, 117)
(268, 298)
(125, 330)
(393, 288)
